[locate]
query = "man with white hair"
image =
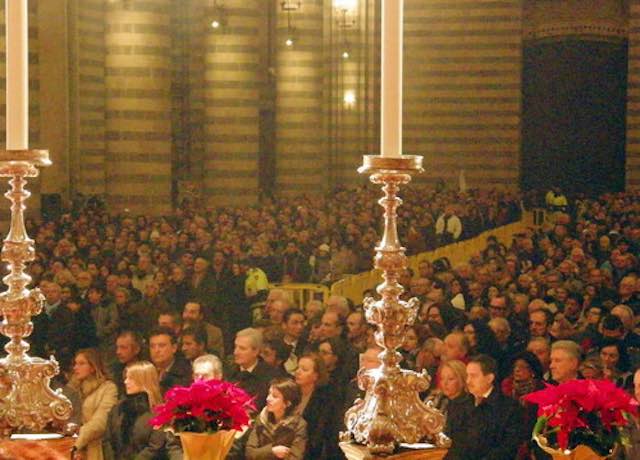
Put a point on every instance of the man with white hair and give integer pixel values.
(207, 367)
(565, 361)
(625, 313)
(630, 340)
(249, 371)
(339, 305)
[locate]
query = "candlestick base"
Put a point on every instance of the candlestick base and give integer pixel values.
(391, 411)
(26, 399)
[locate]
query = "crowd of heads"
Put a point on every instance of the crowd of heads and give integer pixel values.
(560, 302)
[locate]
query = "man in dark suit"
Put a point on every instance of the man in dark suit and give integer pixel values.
(249, 371)
(494, 430)
(173, 369)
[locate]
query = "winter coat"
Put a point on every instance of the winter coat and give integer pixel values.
(291, 432)
(98, 397)
(129, 435)
(105, 317)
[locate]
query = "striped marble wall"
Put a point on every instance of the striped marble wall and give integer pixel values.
(463, 89)
(353, 126)
(88, 91)
(195, 64)
(138, 105)
(633, 99)
(181, 30)
(301, 122)
(232, 80)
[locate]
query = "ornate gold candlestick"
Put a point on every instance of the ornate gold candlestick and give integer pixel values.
(392, 412)
(26, 400)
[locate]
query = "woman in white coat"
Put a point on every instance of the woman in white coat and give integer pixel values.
(98, 396)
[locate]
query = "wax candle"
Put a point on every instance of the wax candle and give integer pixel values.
(17, 50)
(391, 106)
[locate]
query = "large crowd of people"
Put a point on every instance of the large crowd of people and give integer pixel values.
(136, 305)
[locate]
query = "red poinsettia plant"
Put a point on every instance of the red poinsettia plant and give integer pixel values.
(207, 406)
(589, 412)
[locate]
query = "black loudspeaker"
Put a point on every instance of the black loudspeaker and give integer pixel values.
(51, 206)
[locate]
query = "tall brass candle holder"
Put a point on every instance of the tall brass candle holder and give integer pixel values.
(391, 412)
(27, 403)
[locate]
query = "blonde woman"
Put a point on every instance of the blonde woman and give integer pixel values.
(98, 395)
(452, 398)
(129, 434)
(451, 384)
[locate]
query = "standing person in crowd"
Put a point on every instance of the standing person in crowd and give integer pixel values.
(448, 226)
(128, 350)
(203, 285)
(74, 329)
(193, 317)
(279, 432)
(293, 328)
(105, 317)
(178, 290)
(98, 396)
(150, 306)
(128, 434)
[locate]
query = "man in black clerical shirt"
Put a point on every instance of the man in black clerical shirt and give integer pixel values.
(496, 422)
(249, 371)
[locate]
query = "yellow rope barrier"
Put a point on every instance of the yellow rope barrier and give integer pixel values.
(354, 286)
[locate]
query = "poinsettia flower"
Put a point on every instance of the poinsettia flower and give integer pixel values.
(213, 403)
(597, 407)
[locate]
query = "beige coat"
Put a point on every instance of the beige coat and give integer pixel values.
(290, 432)
(98, 397)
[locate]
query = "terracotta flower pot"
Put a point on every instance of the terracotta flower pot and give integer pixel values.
(204, 446)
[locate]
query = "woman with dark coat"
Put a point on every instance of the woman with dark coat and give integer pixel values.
(526, 377)
(320, 408)
(335, 355)
(129, 435)
(483, 341)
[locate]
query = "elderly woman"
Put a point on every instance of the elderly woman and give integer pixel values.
(98, 395)
(278, 431)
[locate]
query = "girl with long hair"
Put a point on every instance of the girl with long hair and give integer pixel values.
(129, 435)
(279, 432)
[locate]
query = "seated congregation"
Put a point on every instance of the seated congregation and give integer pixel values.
(137, 306)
